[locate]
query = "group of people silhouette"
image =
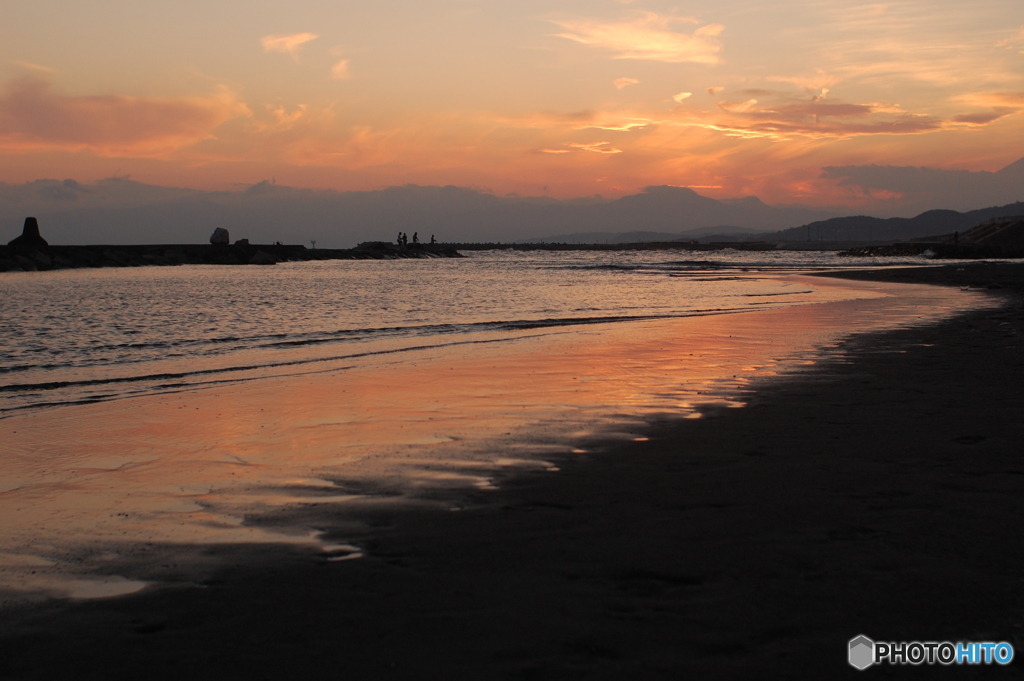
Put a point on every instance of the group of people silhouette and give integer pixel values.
(403, 239)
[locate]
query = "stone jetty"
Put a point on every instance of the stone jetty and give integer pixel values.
(30, 252)
(637, 246)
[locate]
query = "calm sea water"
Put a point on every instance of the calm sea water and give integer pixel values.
(88, 335)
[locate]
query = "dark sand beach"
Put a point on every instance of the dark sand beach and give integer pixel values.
(881, 493)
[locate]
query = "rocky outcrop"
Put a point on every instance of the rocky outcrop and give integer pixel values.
(220, 237)
(30, 237)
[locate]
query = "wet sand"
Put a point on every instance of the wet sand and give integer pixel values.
(880, 493)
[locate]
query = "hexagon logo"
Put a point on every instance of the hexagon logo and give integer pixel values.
(862, 652)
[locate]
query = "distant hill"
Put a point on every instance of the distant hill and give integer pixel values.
(120, 211)
(865, 228)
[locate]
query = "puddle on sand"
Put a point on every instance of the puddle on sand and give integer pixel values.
(86, 589)
(29, 573)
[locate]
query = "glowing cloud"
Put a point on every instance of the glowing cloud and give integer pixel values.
(621, 127)
(681, 96)
(596, 147)
(1014, 42)
(816, 119)
(879, 107)
(34, 118)
(715, 90)
(733, 107)
(287, 44)
(283, 118)
(648, 37)
(38, 68)
(999, 105)
(341, 70)
(983, 118)
(625, 82)
(993, 99)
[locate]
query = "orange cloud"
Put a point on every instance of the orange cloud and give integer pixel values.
(624, 82)
(682, 96)
(596, 147)
(993, 99)
(38, 68)
(33, 118)
(879, 107)
(284, 119)
(647, 37)
(734, 107)
(792, 122)
(783, 116)
(1014, 42)
(999, 105)
(287, 44)
(616, 127)
(984, 118)
(341, 70)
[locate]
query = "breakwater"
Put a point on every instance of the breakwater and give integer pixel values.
(49, 257)
(938, 250)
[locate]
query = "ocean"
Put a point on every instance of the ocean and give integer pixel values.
(78, 336)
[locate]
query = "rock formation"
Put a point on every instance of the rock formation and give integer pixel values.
(29, 236)
(220, 236)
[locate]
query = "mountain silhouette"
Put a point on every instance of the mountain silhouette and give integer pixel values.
(122, 211)
(865, 228)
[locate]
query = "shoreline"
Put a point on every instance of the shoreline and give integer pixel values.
(878, 493)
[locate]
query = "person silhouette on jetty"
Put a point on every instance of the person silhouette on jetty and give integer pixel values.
(415, 237)
(432, 240)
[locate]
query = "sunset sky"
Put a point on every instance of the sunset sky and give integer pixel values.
(567, 98)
